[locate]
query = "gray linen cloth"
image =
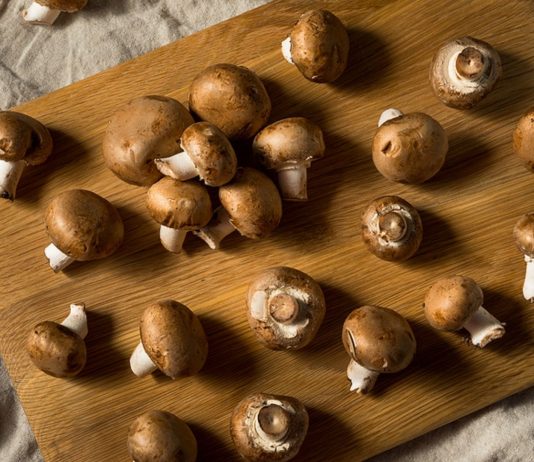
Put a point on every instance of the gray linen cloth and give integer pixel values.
(36, 61)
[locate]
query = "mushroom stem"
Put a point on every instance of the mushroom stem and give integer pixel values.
(286, 50)
(179, 166)
(483, 327)
(140, 362)
(293, 182)
(388, 114)
(273, 421)
(40, 15)
(470, 64)
(219, 227)
(58, 260)
(10, 173)
(76, 321)
(172, 239)
(362, 380)
(284, 308)
(528, 285)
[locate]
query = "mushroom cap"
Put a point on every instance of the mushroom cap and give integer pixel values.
(23, 138)
(253, 203)
(524, 234)
(69, 6)
(410, 148)
(161, 436)
(378, 339)
(451, 301)
(173, 338)
(244, 428)
(273, 282)
(391, 228)
(231, 97)
(211, 152)
(56, 350)
(180, 205)
(289, 142)
(459, 92)
(524, 139)
(143, 129)
(83, 225)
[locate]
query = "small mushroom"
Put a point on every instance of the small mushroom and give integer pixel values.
(409, 148)
(251, 205)
(45, 12)
(464, 71)
(59, 349)
(285, 308)
(82, 226)
(231, 97)
(142, 130)
(318, 45)
(267, 428)
(289, 146)
(23, 141)
(391, 228)
(378, 340)
(179, 207)
(161, 436)
(524, 240)
(524, 139)
(455, 302)
(172, 340)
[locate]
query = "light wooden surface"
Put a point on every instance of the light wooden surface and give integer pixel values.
(468, 212)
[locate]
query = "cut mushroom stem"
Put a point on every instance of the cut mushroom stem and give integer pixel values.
(388, 114)
(172, 239)
(273, 422)
(214, 233)
(528, 285)
(179, 166)
(483, 327)
(470, 64)
(10, 173)
(140, 362)
(362, 380)
(286, 50)
(76, 321)
(293, 183)
(57, 259)
(284, 308)
(40, 15)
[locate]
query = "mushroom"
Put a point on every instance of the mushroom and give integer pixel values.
(161, 436)
(391, 228)
(45, 12)
(206, 153)
(267, 427)
(59, 349)
(144, 129)
(172, 340)
(455, 302)
(524, 139)
(378, 340)
(464, 71)
(524, 240)
(285, 308)
(231, 97)
(82, 226)
(318, 45)
(409, 148)
(23, 141)
(289, 146)
(179, 207)
(251, 205)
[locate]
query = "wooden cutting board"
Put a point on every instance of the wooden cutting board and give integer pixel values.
(468, 212)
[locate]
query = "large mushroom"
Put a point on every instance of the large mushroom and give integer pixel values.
(285, 308)
(82, 226)
(378, 340)
(524, 240)
(524, 139)
(23, 141)
(289, 146)
(45, 12)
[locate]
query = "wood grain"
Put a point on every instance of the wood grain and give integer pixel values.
(468, 212)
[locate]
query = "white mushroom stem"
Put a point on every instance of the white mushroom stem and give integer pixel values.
(293, 183)
(10, 173)
(58, 260)
(179, 166)
(219, 228)
(41, 15)
(528, 285)
(269, 443)
(389, 114)
(172, 239)
(483, 327)
(140, 362)
(286, 50)
(76, 321)
(362, 380)
(462, 83)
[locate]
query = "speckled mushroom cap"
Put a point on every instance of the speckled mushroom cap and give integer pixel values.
(161, 436)
(410, 148)
(451, 301)
(524, 234)
(173, 338)
(69, 6)
(252, 202)
(524, 139)
(231, 97)
(179, 204)
(83, 225)
(320, 46)
(146, 128)
(56, 350)
(378, 339)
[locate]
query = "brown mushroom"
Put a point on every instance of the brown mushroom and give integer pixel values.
(179, 207)
(59, 349)
(45, 12)
(455, 302)
(251, 205)
(524, 240)
(142, 130)
(391, 228)
(524, 139)
(161, 436)
(378, 340)
(82, 226)
(172, 340)
(318, 45)
(231, 97)
(409, 148)
(23, 141)
(289, 146)
(267, 427)
(464, 71)
(285, 308)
